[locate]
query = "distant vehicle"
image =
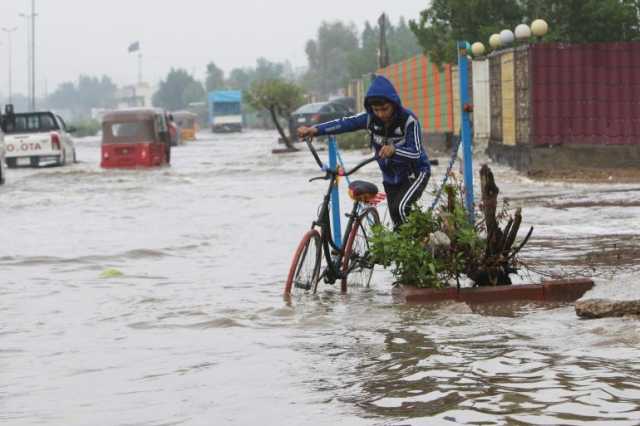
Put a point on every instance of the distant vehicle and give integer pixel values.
(187, 125)
(314, 113)
(225, 110)
(35, 139)
(137, 137)
(347, 101)
(2, 150)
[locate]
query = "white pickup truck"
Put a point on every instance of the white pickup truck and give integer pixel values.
(40, 138)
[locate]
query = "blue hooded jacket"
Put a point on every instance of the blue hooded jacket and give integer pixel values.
(404, 132)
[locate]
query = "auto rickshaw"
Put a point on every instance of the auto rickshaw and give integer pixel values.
(135, 138)
(187, 125)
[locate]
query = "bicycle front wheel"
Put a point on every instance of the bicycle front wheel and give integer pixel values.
(305, 266)
(357, 266)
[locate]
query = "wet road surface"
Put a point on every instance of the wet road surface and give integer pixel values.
(153, 297)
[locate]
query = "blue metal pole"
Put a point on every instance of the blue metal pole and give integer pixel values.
(466, 135)
(335, 195)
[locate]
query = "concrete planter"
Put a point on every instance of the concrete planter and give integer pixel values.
(547, 291)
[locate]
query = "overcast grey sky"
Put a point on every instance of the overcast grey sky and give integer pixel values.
(91, 36)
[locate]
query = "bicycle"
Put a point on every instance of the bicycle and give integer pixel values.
(351, 263)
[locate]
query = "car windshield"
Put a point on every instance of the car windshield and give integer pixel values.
(128, 132)
(226, 108)
(310, 108)
(31, 123)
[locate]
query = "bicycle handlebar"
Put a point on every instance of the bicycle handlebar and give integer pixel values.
(338, 171)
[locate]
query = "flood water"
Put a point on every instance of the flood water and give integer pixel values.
(153, 297)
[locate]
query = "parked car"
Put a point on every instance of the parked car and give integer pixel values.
(137, 137)
(317, 112)
(348, 101)
(39, 138)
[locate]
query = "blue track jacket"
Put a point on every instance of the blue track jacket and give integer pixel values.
(404, 132)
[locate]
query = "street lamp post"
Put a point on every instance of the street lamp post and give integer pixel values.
(31, 57)
(9, 31)
(27, 18)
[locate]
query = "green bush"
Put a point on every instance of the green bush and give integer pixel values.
(84, 128)
(413, 254)
(353, 140)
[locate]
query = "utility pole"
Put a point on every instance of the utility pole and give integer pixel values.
(27, 19)
(31, 48)
(383, 50)
(33, 55)
(9, 31)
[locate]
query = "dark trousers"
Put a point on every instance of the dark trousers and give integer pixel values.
(401, 197)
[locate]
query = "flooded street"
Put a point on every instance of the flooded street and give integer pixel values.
(153, 297)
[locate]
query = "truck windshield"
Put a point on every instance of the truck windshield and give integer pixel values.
(31, 123)
(226, 108)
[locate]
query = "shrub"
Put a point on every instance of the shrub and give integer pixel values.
(430, 249)
(353, 140)
(88, 127)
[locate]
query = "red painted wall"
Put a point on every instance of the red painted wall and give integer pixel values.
(585, 94)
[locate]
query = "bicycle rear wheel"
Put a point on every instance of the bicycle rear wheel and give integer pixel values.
(357, 267)
(305, 266)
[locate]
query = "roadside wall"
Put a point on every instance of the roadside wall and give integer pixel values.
(560, 106)
(425, 89)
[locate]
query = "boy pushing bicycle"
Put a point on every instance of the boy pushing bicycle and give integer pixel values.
(396, 137)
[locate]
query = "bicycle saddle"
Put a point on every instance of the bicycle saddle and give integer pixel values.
(362, 191)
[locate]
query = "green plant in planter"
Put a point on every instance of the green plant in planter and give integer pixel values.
(432, 249)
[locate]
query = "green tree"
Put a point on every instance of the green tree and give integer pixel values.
(279, 97)
(89, 92)
(177, 90)
(365, 59)
(402, 41)
(328, 56)
(240, 78)
(446, 21)
(571, 21)
(194, 92)
(215, 78)
(580, 21)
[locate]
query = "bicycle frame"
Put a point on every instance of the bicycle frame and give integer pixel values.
(332, 253)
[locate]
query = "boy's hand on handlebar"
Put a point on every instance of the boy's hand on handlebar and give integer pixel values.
(386, 151)
(307, 132)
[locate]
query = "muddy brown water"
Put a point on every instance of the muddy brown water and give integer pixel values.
(153, 297)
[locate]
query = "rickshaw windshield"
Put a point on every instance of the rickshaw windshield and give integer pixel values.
(128, 132)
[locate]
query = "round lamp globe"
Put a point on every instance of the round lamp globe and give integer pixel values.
(539, 27)
(477, 48)
(523, 32)
(494, 41)
(506, 37)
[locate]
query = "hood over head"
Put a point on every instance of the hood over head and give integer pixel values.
(381, 87)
